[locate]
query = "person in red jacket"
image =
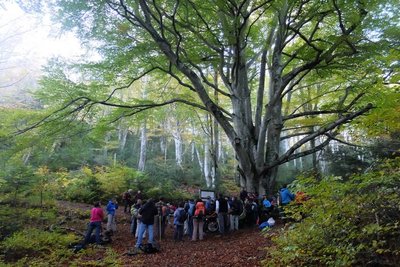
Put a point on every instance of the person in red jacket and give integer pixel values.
(96, 217)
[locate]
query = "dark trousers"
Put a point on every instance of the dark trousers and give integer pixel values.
(127, 205)
(190, 226)
(92, 226)
(163, 225)
(134, 224)
(178, 233)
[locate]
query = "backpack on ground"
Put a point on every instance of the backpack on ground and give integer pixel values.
(182, 216)
(150, 248)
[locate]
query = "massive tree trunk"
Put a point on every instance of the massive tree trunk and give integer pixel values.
(239, 44)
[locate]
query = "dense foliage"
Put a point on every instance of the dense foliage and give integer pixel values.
(351, 223)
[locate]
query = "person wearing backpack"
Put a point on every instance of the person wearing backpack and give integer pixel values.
(190, 212)
(135, 214)
(127, 200)
(180, 217)
(146, 216)
(235, 211)
(198, 220)
(111, 208)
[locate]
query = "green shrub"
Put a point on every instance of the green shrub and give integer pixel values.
(34, 243)
(352, 223)
(10, 221)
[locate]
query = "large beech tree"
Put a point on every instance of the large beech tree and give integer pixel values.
(249, 63)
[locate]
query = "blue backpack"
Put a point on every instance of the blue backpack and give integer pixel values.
(192, 207)
(182, 216)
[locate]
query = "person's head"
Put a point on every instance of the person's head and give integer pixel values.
(284, 186)
(181, 204)
(199, 200)
(220, 195)
(139, 201)
(130, 191)
(114, 200)
(97, 204)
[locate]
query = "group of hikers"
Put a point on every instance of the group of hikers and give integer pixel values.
(189, 218)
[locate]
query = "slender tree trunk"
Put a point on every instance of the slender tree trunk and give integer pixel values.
(105, 147)
(143, 147)
(164, 147)
(207, 169)
(215, 140)
(178, 145)
(122, 135)
(199, 159)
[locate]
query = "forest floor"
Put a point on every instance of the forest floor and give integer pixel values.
(246, 247)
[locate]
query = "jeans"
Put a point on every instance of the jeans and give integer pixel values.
(142, 228)
(111, 224)
(91, 227)
(234, 222)
(222, 221)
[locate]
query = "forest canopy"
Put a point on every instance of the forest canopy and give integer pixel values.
(170, 97)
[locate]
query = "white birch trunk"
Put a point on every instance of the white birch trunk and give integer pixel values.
(178, 145)
(143, 147)
(164, 147)
(207, 171)
(122, 135)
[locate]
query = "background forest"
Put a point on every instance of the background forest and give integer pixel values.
(168, 99)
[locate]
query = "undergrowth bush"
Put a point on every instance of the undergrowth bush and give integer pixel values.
(346, 223)
(32, 243)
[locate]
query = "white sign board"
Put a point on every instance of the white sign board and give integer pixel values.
(207, 193)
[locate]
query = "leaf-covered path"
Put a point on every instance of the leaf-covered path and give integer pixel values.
(245, 247)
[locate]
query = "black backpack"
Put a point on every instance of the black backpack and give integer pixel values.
(200, 215)
(182, 216)
(149, 248)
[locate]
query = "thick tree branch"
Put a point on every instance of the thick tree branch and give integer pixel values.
(289, 154)
(311, 113)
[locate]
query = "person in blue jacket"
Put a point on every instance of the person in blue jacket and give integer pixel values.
(286, 195)
(111, 208)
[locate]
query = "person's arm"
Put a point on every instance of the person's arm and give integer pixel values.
(217, 206)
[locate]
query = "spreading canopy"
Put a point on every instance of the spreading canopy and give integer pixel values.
(265, 70)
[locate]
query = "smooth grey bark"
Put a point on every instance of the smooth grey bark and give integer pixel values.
(143, 147)
(207, 164)
(164, 146)
(122, 135)
(226, 43)
(177, 135)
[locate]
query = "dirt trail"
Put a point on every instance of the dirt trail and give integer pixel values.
(245, 247)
